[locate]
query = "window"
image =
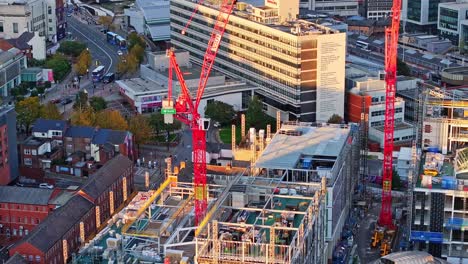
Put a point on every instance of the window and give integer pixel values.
(38, 258)
(15, 28)
(27, 151)
(27, 161)
(1, 26)
(34, 152)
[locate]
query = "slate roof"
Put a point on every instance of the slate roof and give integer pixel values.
(22, 41)
(115, 137)
(25, 195)
(17, 259)
(80, 132)
(44, 125)
(58, 223)
(99, 181)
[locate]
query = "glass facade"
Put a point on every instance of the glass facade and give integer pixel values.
(448, 19)
(464, 39)
(433, 10)
(414, 10)
(269, 60)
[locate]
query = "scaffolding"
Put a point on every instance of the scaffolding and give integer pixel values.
(257, 221)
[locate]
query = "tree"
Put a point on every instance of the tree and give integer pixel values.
(134, 39)
(138, 52)
(28, 110)
(72, 48)
(98, 103)
(111, 119)
(140, 127)
(59, 65)
(83, 117)
(81, 100)
(335, 119)
(254, 116)
(396, 181)
(156, 121)
(402, 68)
(105, 21)
(50, 111)
(83, 63)
(127, 63)
(221, 112)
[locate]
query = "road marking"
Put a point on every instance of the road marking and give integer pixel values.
(109, 66)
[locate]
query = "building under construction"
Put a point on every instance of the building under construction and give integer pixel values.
(290, 212)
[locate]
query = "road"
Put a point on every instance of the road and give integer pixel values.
(103, 52)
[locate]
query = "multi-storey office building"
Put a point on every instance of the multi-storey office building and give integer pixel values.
(333, 7)
(451, 16)
(377, 9)
(420, 14)
(298, 65)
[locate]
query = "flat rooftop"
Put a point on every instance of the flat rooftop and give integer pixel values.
(305, 27)
(292, 142)
(398, 126)
(140, 85)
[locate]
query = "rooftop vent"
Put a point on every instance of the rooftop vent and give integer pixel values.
(294, 133)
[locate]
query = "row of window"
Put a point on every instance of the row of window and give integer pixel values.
(21, 220)
(23, 207)
(382, 112)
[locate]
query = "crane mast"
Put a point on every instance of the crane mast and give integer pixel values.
(187, 108)
(391, 50)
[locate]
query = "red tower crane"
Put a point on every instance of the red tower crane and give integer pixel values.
(391, 50)
(186, 108)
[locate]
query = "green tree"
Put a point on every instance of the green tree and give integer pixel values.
(156, 121)
(28, 110)
(50, 111)
(402, 68)
(98, 103)
(138, 52)
(335, 119)
(254, 116)
(81, 100)
(134, 39)
(140, 127)
(111, 119)
(396, 181)
(72, 48)
(59, 65)
(221, 112)
(83, 117)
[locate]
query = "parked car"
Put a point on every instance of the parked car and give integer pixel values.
(66, 101)
(46, 186)
(55, 101)
(120, 53)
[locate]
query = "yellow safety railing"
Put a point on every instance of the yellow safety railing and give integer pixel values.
(147, 204)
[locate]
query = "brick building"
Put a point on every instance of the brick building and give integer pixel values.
(81, 217)
(78, 138)
(38, 153)
(8, 150)
(17, 259)
(22, 209)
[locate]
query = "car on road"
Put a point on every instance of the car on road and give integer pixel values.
(46, 186)
(120, 53)
(66, 101)
(55, 101)
(108, 78)
(217, 124)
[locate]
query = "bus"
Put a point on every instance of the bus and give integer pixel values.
(111, 37)
(98, 73)
(121, 42)
(108, 78)
(363, 45)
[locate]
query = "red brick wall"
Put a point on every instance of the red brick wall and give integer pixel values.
(13, 216)
(27, 251)
(5, 176)
(355, 106)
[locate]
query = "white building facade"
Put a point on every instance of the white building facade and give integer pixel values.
(333, 7)
(299, 66)
(451, 18)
